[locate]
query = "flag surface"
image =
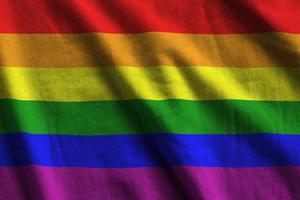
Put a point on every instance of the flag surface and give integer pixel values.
(149, 99)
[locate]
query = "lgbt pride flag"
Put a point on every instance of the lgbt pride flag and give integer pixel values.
(149, 99)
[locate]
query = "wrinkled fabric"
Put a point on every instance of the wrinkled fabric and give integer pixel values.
(149, 100)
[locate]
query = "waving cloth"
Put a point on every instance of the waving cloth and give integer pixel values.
(149, 99)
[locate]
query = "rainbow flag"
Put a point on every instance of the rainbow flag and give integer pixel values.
(149, 99)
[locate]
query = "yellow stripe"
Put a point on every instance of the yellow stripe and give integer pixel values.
(113, 83)
(150, 49)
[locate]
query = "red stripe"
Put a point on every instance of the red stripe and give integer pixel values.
(133, 16)
(150, 183)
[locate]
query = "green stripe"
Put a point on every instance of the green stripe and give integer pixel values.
(148, 116)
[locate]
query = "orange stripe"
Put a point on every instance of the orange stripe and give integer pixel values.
(150, 49)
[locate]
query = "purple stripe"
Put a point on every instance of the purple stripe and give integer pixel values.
(149, 183)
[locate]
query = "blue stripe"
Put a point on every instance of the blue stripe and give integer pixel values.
(150, 150)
